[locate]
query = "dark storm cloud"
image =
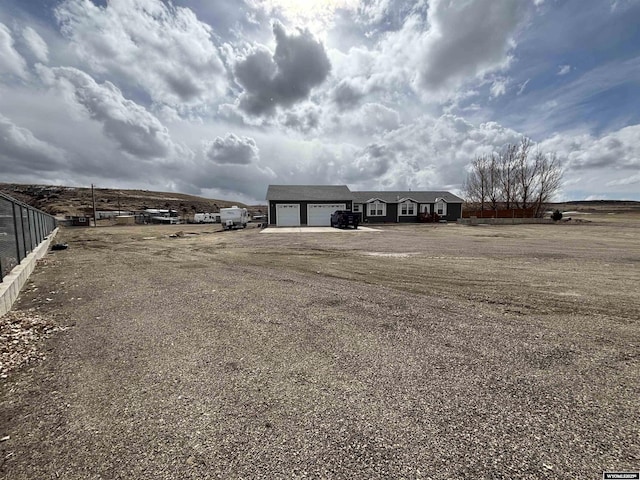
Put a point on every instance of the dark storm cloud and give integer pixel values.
(232, 150)
(298, 64)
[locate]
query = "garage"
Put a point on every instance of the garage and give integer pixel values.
(319, 214)
(302, 205)
(288, 215)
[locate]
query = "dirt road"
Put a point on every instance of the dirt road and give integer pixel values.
(411, 352)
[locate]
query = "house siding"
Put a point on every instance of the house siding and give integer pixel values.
(454, 212)
(391, 214)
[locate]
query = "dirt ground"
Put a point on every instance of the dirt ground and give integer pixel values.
(417, 351)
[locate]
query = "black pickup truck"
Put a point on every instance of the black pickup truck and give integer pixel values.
(344, 218)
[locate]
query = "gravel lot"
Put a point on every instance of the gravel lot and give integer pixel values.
(425, 351)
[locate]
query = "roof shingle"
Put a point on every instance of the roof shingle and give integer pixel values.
(308, 192)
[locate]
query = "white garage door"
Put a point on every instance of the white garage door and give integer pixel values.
(288, 215)
(319, 214)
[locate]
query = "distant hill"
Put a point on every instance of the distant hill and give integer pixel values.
(61, 201)
(596, 206)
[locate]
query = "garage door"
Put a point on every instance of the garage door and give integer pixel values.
(288, 215)
(319, 214)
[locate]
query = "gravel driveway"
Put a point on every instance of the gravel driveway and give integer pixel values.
(414, 352)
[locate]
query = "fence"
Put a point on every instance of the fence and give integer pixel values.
(22, 228)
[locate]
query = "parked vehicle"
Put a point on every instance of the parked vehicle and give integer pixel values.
(344, 218)
(206, 218)
(234, 217)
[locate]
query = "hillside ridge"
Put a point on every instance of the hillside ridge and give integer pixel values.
(62, 200)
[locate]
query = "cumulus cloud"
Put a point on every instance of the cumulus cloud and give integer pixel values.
(136, 131)
(371, 162)
(11, 62)
(285, 77)
(369, 119)
(347, 94)
(617, 150)
(564, 69)
(162, 48)
(232, 150)
(230, 165)
(36, 44)
(21, 152)
(466, 40)
(304, 118)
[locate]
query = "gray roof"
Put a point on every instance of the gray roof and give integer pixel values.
(308, 192)
(394, 197)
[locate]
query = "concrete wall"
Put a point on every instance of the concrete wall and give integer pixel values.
(503, 221)
(12, 283)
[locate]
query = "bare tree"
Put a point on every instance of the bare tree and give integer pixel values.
(514, 178)
(477, 182)
(493, 194)
(525, 174)
(507, 166)
(548, 179)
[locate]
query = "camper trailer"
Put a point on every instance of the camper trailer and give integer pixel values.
(234, 217)
(206, 218)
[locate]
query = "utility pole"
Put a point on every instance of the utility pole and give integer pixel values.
(93, 196)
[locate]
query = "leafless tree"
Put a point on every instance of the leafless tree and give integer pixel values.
(476, 184)
(526, 173)
(494, 183)
(507, 166)
(548, 179)
(514, 178)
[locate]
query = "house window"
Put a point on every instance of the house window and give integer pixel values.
(441, 207)
(377, 209)
(357, 207)
(424, 208)
(407, 208)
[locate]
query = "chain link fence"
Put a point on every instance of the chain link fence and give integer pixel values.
(22, 228)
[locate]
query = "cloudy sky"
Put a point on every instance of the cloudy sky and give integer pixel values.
(220, 98)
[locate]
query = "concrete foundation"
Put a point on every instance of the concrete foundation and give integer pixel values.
(12, 284)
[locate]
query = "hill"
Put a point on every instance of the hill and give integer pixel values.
(61, 201)
(598, 206)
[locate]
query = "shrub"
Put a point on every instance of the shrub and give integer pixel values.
(557, 215)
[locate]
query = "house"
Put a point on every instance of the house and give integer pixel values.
(406, 206)
(76, 221)
(294, 205)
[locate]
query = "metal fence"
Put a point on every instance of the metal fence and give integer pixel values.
(22, 228)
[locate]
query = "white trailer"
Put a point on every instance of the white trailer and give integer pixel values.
(206, 218)
(234, 217)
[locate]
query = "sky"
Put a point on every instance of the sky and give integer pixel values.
(222, 98)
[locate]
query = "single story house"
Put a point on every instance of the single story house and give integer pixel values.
(406, 207)
(294, 205)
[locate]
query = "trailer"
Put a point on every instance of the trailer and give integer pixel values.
(206, 218)
(234, 217)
